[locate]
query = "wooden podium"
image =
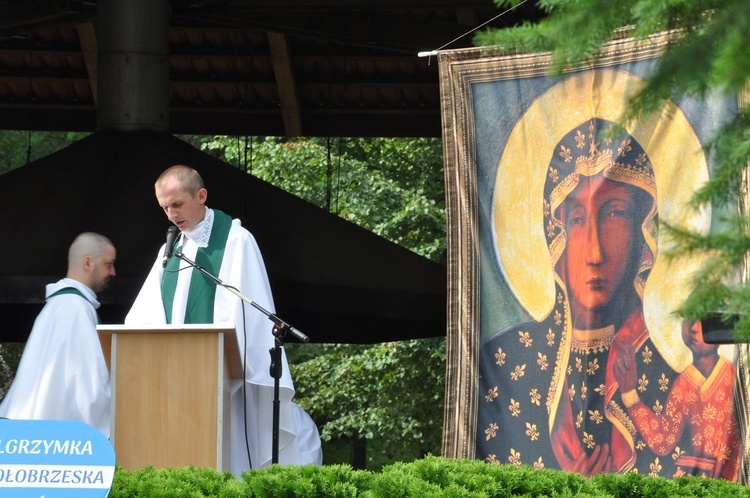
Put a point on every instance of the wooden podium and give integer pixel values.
(171, 393)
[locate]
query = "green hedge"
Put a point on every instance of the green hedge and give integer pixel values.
(426, 478)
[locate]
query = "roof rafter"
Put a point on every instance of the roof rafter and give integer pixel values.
(282, 67)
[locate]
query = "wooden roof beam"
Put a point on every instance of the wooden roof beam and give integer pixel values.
(285, 83)
(87, 38)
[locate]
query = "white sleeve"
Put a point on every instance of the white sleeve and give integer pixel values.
(148, 308)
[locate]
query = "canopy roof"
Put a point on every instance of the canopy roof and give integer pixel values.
(251, 67)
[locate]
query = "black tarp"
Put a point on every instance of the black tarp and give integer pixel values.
(331, 279)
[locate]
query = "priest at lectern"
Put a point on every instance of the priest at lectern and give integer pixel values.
(174, 293)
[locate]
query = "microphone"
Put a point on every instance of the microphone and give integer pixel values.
(172, 233)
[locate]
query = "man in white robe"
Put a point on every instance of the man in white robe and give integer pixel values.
(177, 294)
(63, 374)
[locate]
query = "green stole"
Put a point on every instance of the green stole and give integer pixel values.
(202, 291)
(73, 290)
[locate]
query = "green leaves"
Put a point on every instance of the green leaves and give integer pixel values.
(392, 187)
(390, 392)
(21, 147)
(431, 477)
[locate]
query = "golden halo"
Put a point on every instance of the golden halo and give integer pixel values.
(679, 167)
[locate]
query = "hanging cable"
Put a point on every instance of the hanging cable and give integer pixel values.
(28, 148)
(244, 156)
(239, 157)
(328, 175)
(435, 52)
(31, 93)
(338, 176)
(252, 157)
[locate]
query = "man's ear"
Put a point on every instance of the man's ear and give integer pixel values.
(87, 263)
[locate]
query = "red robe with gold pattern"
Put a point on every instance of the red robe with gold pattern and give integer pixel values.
(704, 406)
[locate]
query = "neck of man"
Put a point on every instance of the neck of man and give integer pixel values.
(79, 276)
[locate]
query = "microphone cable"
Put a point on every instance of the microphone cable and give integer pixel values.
(244, 384)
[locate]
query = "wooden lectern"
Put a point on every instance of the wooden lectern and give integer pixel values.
(171, 393)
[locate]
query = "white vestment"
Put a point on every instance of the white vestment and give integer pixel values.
(242, 267)
(62, 374)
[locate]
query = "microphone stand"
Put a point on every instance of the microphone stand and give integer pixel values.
(280, 329)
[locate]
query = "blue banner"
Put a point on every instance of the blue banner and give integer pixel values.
(54, 459)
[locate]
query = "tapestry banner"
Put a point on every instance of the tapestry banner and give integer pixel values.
(564, 349)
